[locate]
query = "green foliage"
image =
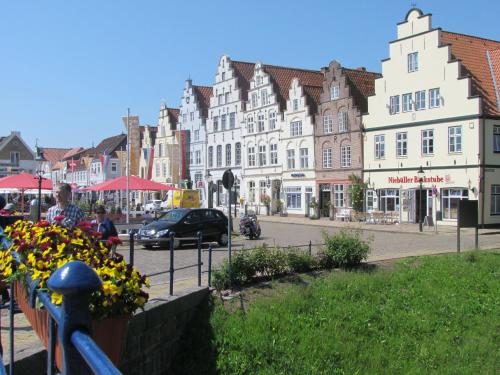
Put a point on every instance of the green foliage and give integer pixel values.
(261, 262)
(432, 315)
(344, 249)
(357, 187)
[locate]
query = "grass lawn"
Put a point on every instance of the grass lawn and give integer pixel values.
(437, 314)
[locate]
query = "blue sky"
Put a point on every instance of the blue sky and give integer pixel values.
(70, 69)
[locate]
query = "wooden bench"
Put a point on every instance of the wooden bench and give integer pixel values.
(343, 214)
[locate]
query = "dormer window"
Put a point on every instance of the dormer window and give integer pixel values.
(223, 76)
(412, 62)
(334, 92)
(295, 104)
(258, 80)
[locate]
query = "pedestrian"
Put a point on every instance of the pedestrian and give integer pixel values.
(104, 225)
(71, 214)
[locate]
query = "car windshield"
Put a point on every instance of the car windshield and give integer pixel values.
(173, 216)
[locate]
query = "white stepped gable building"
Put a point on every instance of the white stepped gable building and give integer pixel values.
(436, 106)
(225, 115)
(192, 118)
(264, 130)
(297, 152)
(166, 166)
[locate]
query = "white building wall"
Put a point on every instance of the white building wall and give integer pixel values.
(298, 180)
(262, 105)
(226, 99)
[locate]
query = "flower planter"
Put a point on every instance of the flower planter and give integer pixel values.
(109, 334)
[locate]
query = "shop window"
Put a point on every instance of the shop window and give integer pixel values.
(389, 200)
(495, 200)
(293, 197)
(449, 202)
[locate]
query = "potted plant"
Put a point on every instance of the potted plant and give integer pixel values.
(39, 249)
(266, 201)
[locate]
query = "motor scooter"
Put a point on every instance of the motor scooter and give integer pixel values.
(249, 226)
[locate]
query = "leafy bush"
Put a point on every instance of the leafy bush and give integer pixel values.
(301, 261)
(345, 249)
(220, 277)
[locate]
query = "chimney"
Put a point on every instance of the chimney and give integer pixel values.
(361, 68)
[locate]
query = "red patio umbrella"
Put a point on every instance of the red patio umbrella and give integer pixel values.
(24, 181)
(135, 183)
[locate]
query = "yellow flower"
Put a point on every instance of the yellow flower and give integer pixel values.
(56, 298)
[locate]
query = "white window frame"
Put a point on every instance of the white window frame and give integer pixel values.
(407, 102)
(197, 157)
(304, 158)
(219, 156)
(196, 135)
(223, 122)
(412, 62)
(293, 197)
(250, 125)
(343, 123)
(232, 120)
(401, 144)
(295, 104)
(254, 100)
(290, 159)
(295, 128)
(237, 153)
(380, 146)
(272, 120)
(339, 195)
(427, 136)
(434, 98)
(496, 138)
(251, 191)
(419, 100)
(334, 92)
(273, 153)
(260, 123)
(345, 156)
(251, 156)
(327, 158)
(327, 123)
(263, 97)
(262, 155)
(228, 154)
(210, 156)
(455, 139)
(394, 104)
(216, 123)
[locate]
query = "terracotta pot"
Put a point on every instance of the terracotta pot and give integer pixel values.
(109, 334)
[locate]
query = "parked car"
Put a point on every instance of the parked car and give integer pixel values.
(185, 222)
(153, 205)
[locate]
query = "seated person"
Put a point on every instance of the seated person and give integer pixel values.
(104, 225)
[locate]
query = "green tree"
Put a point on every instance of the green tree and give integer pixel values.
(357, 187)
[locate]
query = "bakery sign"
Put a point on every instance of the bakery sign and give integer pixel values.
(415, 180)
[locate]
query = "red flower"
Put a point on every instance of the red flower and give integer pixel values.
(59, 218)
(85, 225)
(44, 246)
(114, 241)
(43, 223)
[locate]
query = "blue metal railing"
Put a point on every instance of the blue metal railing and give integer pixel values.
(75, 281)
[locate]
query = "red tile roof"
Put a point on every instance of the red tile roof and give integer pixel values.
(73, 152)
(53, 155)
(174, 116)
(313, 94)
(362, 85)
(244, 73)
(495, 67)
(472, 53)
(282, 78)
(110, 145)
(203, 94)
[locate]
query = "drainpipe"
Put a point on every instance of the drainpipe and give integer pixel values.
(482, 162)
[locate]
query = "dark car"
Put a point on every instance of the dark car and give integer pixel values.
(185, 223)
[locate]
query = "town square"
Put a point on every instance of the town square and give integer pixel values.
(312, 191)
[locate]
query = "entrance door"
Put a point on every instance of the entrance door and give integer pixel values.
(325, 203)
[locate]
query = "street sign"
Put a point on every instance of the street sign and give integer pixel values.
(228, 179)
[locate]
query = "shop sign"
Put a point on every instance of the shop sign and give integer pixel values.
(298, 175)
(415, 180)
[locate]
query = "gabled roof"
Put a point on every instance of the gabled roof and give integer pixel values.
(244, 73)
(203, 94)
(173, 114)
(53, 155)
(4, 141)
(312, 94)
(362, 85)
(473, 54)
(282, 78)
(73, 152)
(110, 145)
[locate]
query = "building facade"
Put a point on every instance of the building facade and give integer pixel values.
(338, 134)
(224, 143)
(15, 155)
(436, 107)
(264, 121)
(193, 113)
(166, 164)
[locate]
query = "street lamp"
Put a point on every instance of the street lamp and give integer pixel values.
(210, 196)
(420, 174)
(39, 174)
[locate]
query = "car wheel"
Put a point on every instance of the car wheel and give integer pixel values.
(223, 239)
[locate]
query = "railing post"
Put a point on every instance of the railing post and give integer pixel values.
(75, 281)
(131, 247)
(172, 236)
(200, 238)
(209, 266)
(11, 329)
(51, 350)
(310, 247)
